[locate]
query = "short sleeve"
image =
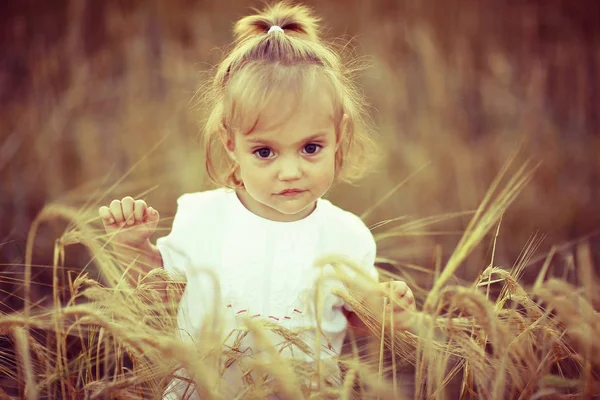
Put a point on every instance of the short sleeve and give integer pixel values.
(367, 261)
(172, 247)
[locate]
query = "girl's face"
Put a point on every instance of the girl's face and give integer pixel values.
(288, 160)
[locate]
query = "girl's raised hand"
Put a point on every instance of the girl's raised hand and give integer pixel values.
(130, 222)
(401, 302)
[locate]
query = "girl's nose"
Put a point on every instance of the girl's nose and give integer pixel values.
(290, 169)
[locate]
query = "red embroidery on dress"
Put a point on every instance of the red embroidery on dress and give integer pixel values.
(275, 318)
(241, 311)
(297, 311)
(286, 317)
(255, 315)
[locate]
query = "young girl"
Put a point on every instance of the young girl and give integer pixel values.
(286, 123)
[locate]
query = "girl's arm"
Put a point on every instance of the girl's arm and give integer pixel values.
(139, 261)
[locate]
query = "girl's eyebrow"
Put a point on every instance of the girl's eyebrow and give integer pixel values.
(273, 142)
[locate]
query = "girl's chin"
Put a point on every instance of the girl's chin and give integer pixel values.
(291, 210)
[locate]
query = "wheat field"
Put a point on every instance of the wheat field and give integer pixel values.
(486, 201)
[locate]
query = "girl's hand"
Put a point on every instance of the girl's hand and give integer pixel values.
(400, 301)
(130, 222)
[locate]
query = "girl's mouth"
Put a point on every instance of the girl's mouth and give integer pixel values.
(291, 192)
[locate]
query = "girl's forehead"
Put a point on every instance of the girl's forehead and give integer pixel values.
(285, 96)
(288, 111)
(311, 111)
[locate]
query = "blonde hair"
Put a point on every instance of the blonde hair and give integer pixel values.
(297, 59)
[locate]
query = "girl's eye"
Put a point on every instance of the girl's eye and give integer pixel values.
(265, 152)
(312, 148)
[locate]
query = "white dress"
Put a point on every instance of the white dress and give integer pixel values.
(239, 265)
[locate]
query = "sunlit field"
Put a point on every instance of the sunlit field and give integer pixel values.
(485, 199)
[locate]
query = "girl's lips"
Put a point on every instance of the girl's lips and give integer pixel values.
(290, 192)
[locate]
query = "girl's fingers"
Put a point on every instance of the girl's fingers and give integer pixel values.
(152, 218)
(400, 288)
(405, 303)
(401, 296)
(106, 216)
(408, 296)
(152, 215)
(127, 204)
(139, 210)
(397, 288)
(116, 211)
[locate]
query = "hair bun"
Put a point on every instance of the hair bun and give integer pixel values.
(297, 20)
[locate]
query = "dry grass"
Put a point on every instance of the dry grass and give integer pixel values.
(96, 104)
(493, 338)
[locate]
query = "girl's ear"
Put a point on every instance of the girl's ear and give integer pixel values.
(343, 130)
(228, 144)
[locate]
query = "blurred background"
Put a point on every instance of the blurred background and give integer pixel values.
(96, 103)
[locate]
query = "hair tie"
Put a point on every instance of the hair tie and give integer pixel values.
(275, 28)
